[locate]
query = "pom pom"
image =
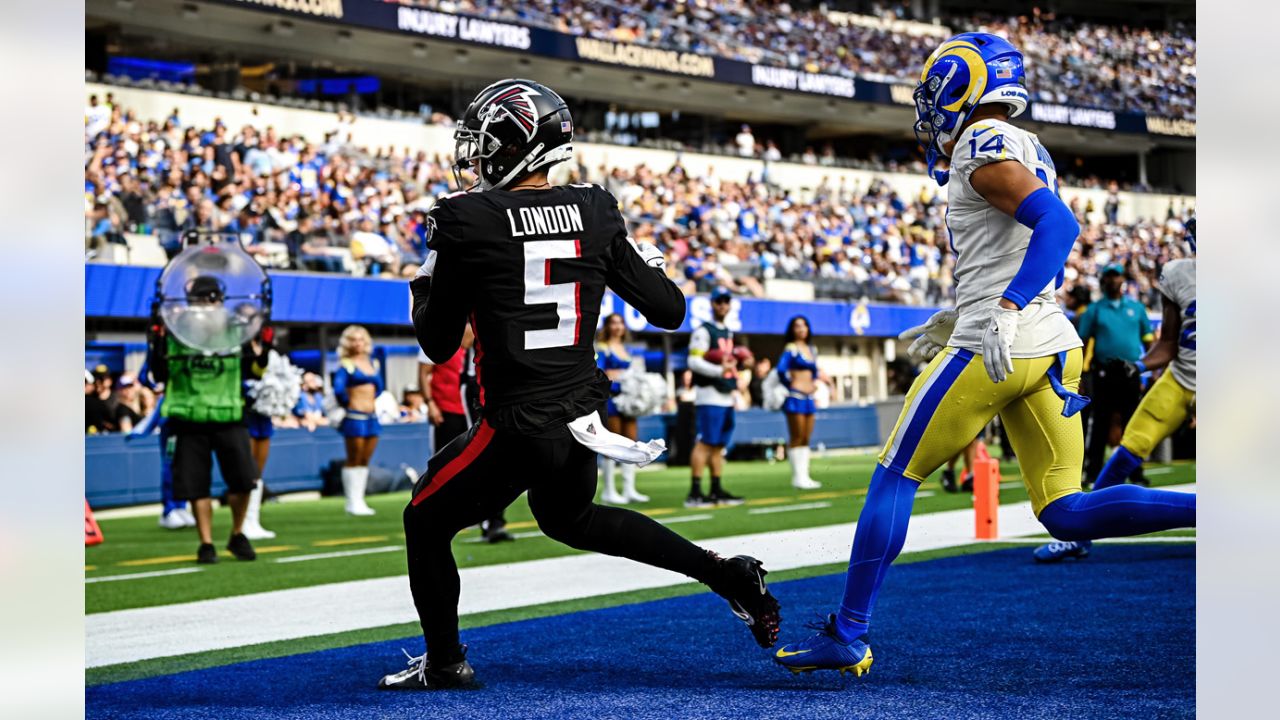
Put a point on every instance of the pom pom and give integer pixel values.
(277, 392)
(640, 393)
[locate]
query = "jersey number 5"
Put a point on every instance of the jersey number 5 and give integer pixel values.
(538, 290)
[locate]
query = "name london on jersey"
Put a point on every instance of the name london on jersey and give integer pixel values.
(550, 220)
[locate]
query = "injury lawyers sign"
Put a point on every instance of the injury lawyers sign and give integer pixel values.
(461, 27)
(801, 81)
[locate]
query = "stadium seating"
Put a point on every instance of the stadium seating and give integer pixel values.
(853, 233)
(1069, 61)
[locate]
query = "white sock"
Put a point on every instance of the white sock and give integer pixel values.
(629, 484)
(354, 480)
(609, 467)
(801, 454)
(252, 527)
(793, 456)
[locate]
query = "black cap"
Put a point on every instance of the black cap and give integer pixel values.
(205, 288)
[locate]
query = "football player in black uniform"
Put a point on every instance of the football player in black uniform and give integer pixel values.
(527, 264)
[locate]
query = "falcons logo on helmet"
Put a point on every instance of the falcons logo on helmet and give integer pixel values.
(516, 102)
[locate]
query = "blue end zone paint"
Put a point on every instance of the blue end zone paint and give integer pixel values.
(989, 635)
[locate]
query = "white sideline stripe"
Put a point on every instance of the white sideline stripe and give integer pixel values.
(135, 576)
(1158, 471)
(788, 508)
(339, 554)
(153, 632)
(682, 519)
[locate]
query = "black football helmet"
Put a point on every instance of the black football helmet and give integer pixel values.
(512, 128)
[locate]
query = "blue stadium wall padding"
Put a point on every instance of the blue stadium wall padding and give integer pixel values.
(125, 470)
(125, 292)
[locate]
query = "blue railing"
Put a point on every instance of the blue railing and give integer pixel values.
(125, 292)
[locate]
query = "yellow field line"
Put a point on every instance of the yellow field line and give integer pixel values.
(187, 558)
(349, 541)
(87, 568)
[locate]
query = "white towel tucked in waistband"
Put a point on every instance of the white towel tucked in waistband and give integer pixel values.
(591, 432)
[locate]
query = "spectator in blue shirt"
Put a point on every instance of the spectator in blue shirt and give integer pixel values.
(310, 407)
(1116, 330)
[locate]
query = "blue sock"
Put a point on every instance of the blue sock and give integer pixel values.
(166, 474)
(882, 529)
(1118, 511)
(1118, 468)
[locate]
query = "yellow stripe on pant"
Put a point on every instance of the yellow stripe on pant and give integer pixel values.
(953, 399)
(1162, 411)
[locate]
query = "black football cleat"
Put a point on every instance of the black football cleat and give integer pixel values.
(420, 675)
(207, 554)
(741, 583)
(949, 480)
(239, 546)
(698, 500)
(722, 497)
(494, 533)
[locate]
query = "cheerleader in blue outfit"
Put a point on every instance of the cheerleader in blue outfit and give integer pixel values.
(612, 358)
(356, 386)
(798, 371)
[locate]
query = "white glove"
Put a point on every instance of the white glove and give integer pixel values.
(997, 343)
(428, 266)
(650, 254)
(930, 337)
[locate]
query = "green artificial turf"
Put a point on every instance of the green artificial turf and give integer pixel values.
(137, 545)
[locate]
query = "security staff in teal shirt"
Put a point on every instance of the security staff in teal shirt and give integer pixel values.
(1120, 330)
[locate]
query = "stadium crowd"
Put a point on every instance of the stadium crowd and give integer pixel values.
(335, 207)
(1068, 61)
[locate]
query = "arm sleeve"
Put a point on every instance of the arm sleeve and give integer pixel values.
(1053, 232)
(784, 368)
(440, 301)
(699, 344)
(647, 289)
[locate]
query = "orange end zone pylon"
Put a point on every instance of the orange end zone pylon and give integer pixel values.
(986, 495)
(92, 533)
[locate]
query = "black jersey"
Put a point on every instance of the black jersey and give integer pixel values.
(528, 269)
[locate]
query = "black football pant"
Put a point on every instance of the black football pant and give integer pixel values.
(451, 426)
(1114, 398)
(482, 472)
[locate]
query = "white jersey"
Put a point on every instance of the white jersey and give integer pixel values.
(990, 245)
(1178, 282)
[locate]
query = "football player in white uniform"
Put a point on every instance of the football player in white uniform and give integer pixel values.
(1006, 349)
(1169, 401)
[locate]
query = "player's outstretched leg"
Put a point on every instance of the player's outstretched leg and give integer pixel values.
(842, 642)
(1118, 511)
(562, 506)
(1115, 472)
